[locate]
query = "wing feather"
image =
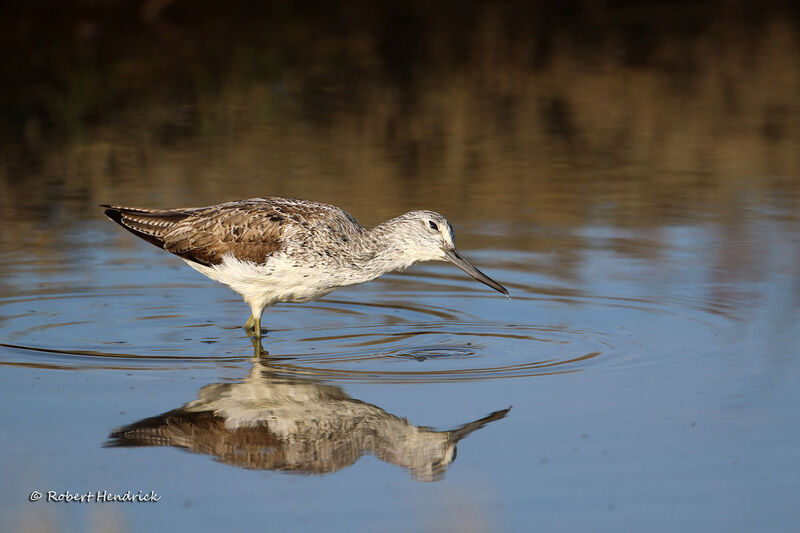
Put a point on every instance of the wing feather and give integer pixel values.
(250, 230)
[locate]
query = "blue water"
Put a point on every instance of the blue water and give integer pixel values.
(652, 386)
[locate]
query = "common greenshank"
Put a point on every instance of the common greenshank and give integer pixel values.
(272, 250)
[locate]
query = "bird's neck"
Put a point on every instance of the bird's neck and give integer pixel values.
(386, 248)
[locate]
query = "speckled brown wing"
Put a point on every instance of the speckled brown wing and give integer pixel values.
(253, 447)
(250, 230)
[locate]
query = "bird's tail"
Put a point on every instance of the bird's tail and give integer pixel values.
(151, 225)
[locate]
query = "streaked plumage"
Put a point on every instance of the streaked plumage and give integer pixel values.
(274, 422)
(273, 250)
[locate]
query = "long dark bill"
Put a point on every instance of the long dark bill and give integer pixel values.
(454, 257)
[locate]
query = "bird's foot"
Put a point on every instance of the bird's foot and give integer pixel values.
(253, 327)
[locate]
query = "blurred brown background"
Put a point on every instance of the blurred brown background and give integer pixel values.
(550, 113)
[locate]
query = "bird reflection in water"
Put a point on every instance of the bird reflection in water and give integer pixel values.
(292, 424)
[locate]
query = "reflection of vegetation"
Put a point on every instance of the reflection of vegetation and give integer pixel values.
(647, 112)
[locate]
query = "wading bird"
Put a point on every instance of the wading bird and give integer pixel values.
(272, 250)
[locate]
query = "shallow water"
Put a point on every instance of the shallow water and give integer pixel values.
(637, 388)
(642, 375)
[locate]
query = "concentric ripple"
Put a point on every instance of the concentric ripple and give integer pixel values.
(424, 327)
(443, 351)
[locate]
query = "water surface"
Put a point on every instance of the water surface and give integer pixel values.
(640, 203)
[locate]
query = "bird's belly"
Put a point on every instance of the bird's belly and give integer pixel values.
(276, 281)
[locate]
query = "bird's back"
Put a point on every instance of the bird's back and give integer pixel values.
(249, 230)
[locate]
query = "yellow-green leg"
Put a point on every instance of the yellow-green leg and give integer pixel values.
(253, 325)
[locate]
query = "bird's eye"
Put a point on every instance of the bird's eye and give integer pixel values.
(433, 225)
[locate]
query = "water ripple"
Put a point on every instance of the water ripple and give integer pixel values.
(387, 332)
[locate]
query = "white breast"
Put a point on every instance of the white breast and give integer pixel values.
(281, 279)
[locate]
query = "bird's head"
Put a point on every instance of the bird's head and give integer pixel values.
(428, 236)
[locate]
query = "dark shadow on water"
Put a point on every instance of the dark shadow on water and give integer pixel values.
(271, 421)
